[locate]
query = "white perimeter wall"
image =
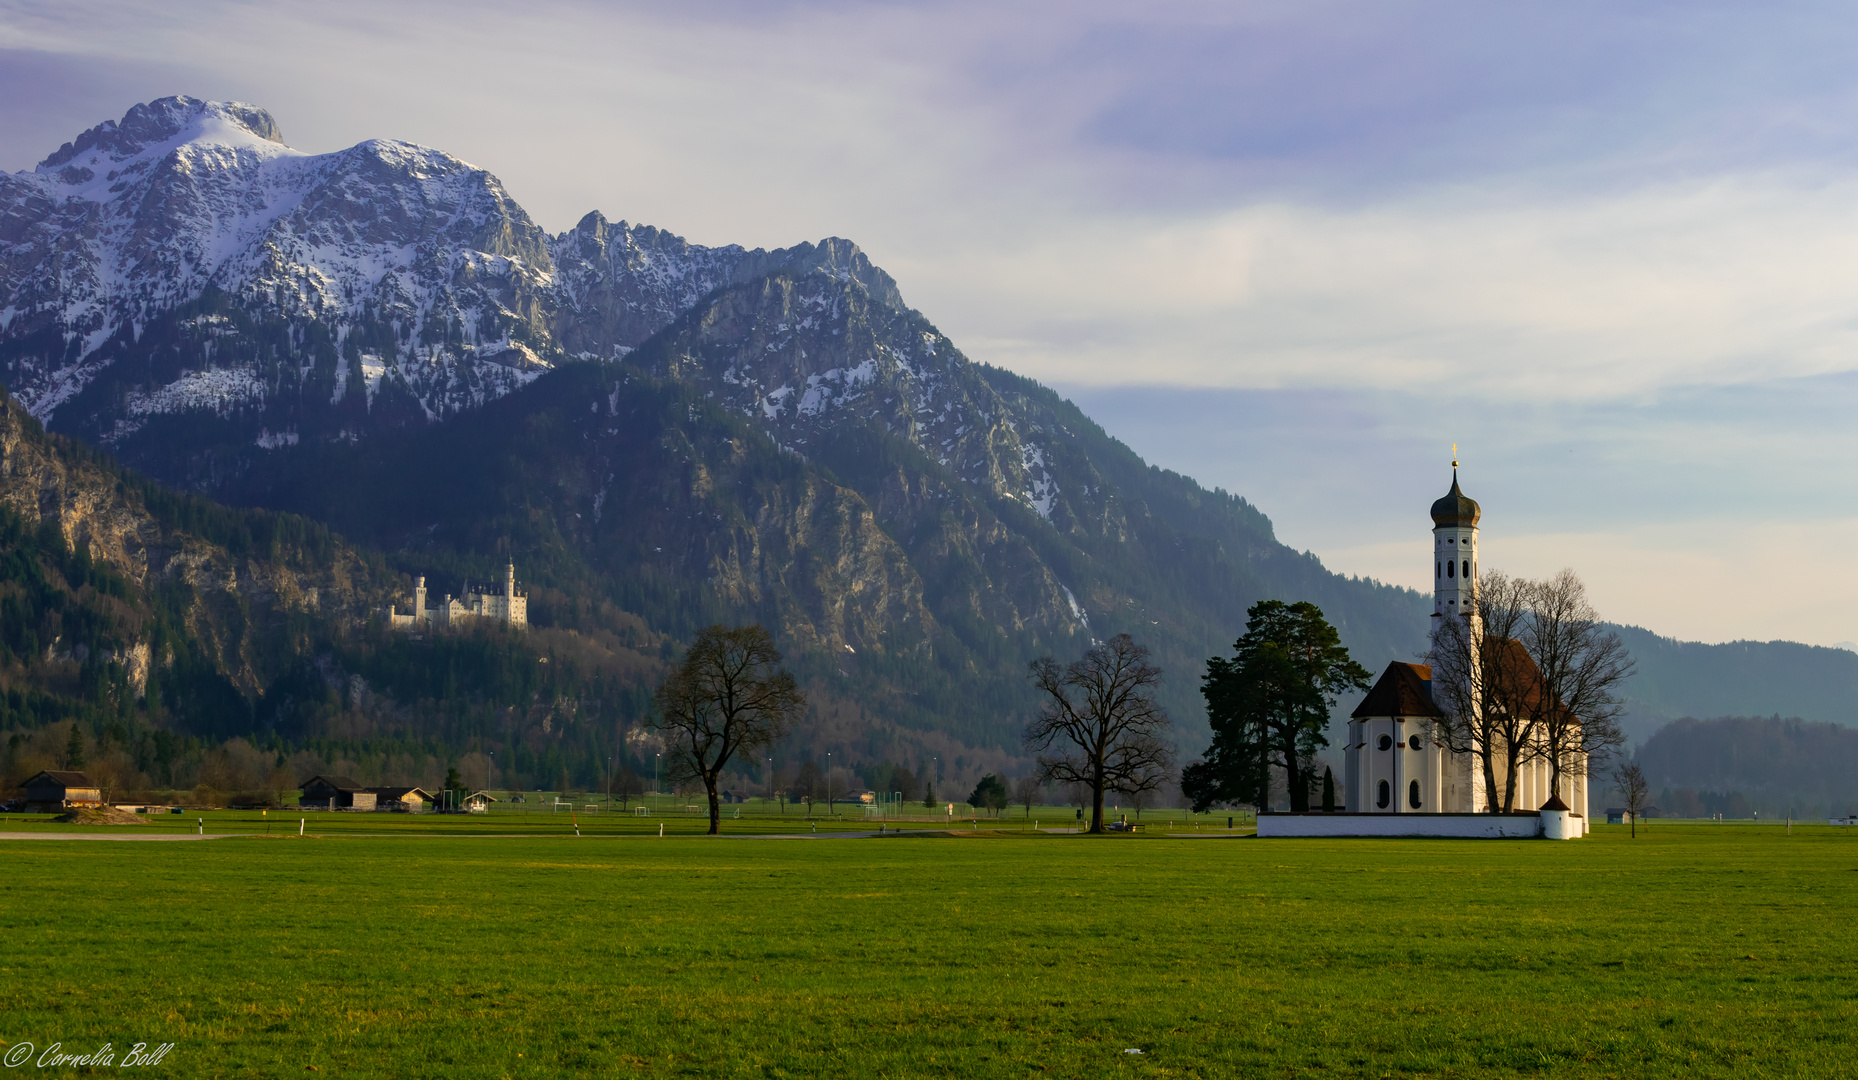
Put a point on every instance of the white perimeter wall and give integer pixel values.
(1491, 826)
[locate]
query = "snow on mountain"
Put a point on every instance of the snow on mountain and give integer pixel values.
(810, 356)
(387, 267)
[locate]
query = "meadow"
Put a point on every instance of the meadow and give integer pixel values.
(1698, 949)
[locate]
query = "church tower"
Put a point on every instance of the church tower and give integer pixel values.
(1454, 552)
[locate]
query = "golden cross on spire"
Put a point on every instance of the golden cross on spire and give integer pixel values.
(1454, 455)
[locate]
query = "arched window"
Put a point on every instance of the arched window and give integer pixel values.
(1413, 741)
(1386, 742)
(1412, 794)
(1467, 568)
(1386, 795)
(1450, 567)
(1438, 569)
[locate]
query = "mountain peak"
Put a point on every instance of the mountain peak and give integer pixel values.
(169, 121)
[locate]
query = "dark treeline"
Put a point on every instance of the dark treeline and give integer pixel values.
(1740, 765)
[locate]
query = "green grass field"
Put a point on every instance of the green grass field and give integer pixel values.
(1696, 950)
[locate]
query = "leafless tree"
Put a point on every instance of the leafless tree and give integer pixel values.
(1534, 676)
(1630, 780)
(627, 785)
(1582, 665)
(726, 696)
(1100, 724)
(1026, 792)
(1478, 681)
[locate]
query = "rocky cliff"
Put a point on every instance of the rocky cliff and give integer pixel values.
(240, 589)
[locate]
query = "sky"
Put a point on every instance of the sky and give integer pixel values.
(1296, 250)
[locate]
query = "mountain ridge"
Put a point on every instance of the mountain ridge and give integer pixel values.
(645, 425)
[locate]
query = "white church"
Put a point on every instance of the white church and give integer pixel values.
(1398, 778)
(508, 606)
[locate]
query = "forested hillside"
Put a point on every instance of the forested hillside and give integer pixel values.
(1737, 766)
(163, 625)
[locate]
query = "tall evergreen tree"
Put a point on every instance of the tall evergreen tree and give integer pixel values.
(74, 748)
(1269, 704)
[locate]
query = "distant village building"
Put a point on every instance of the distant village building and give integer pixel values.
(410, 799)
(508, 606)
(336, 793)
(54, 790)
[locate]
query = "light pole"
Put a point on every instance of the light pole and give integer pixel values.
(829, 812)
(657, 787)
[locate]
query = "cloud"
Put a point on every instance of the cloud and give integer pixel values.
(1604, 246)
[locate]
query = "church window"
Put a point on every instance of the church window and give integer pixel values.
(1386, 796)
(1438, 570)
(1413, 742)
(1386, 742)
(1412, 794)
(1450, 567)
(1467, 568)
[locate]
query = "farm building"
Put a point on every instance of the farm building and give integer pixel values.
(410, 799)
(56, 790)
(479, 803)
(1618, 815)
(336, 793)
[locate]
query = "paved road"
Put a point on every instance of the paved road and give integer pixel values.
(116, 836)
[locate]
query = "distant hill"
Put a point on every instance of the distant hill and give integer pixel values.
(1740, 678)
(1738, 765)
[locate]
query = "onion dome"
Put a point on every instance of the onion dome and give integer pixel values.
(1456, 508)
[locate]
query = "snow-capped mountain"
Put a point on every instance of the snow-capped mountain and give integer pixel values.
(185, 260)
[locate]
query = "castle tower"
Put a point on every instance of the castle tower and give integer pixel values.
(1454, 551)
(509, 585)
(419, 601)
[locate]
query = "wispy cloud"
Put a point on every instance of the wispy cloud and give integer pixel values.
(1580, 236)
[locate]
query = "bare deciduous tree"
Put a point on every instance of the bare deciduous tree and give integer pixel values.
(1475, 682)
(1534, 676)
(1631, 782)
(725, 696)
(1026, 792)
(1582, 666)
(1101, 725)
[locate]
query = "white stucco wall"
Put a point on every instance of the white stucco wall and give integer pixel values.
(1491, 826)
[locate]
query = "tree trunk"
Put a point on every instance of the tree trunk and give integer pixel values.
(1511, 759)
(1293, 774)
(1096, 800)
(716, 810)
(1490, 780)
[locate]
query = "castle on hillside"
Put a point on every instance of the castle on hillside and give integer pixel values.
(509, 606)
